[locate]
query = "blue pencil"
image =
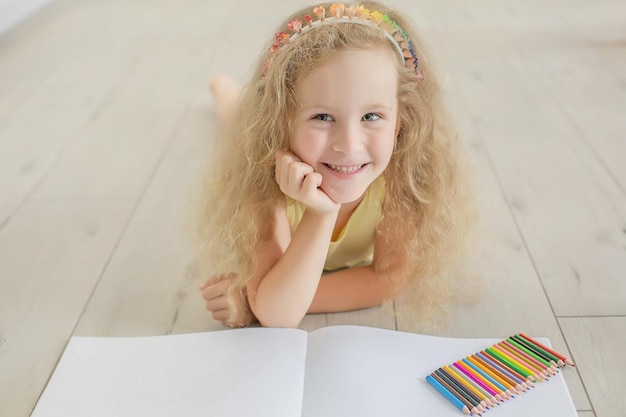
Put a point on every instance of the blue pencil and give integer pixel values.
(476, 369)
(457, 403)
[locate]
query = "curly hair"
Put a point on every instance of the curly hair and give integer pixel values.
(426, 211)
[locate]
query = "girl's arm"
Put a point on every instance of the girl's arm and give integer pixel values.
(295, 286)
(361, 287)
(289, 269)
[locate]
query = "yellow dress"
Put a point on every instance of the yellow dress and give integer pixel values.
(355, 243)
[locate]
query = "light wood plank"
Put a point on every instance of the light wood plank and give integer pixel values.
(51, 256)
(577, 56)
(381, 317)
(574, 233)
(594, 100)
(597, 344)
(114, 156)
(45, 107)
(147, 288)
(117, 153)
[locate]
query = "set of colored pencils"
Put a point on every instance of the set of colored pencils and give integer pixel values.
(498, 373)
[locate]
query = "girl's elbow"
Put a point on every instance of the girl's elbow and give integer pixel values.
(277, 319)
(280, 322)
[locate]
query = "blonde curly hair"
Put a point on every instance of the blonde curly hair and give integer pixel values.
(426, 209)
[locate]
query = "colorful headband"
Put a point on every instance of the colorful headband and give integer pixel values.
(339, 13)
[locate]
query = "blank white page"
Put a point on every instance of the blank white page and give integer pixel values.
(244, 373)
(361, 372)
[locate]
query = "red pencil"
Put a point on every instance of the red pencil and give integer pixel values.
(547, 349)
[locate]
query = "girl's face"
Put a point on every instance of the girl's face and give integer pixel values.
(346, 120)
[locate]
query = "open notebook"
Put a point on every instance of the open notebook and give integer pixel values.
(256, 372)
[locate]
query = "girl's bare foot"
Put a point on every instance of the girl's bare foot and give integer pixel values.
(225, 91)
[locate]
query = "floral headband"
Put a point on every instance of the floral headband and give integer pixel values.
(339, 13)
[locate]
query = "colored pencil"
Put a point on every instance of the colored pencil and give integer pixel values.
(486, 390)
(512, 363)
(548, 368)
(547, 349)
(528, 360)
(519, 382)
(506, 387)
(457, 403)
(462, 387)
(547, 363)
(476, 388)
(500, 372)
(547, 356)
(513, 386)
(511, 369)
(537, 371)
(497, 388)
(463, 395)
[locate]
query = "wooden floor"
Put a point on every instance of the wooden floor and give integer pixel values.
(105, 122)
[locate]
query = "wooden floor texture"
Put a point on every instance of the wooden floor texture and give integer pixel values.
(105, 122)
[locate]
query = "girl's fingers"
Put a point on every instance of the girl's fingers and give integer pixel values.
(215, 279)
(290, 171)
(215, 290)
(285, 164)
(298, 171)
(311, 183)
(221, 315)
(283, 159)
(299, 181)
(220, 310)
(209, 282)
(216, 304)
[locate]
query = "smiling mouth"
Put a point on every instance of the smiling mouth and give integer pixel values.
(345, 169)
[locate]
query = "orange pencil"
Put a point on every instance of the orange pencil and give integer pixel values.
(539, 371)
(509, 389)
(510, 378)
(545, 369)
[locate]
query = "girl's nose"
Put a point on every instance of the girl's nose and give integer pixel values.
(348, 139)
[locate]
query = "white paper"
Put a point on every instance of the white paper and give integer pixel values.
(380, 372)
(248, 372)
(351, 371)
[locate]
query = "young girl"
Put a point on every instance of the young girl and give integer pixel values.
(337, 180)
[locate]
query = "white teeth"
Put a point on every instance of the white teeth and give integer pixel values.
(344, 169)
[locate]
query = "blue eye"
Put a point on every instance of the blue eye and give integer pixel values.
(370, 117)
(323, 117)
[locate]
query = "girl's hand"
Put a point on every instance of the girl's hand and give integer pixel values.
(224, 306)
(299, 181)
